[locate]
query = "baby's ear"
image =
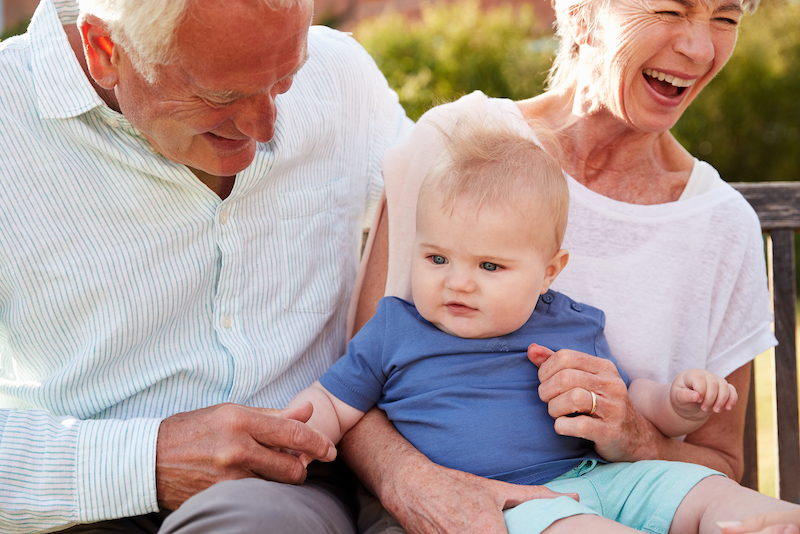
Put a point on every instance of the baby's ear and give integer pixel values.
(554, 268)
(100, 52)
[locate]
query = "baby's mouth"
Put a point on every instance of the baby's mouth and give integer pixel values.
(666, 84)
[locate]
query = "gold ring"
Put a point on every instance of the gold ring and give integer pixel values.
(594, 403)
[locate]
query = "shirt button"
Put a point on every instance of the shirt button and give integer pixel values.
(223, 217)
(576, 306)
(227, 321)
(547, 297)
(111, 121)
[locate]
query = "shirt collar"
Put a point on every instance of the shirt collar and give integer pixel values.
(61, 86)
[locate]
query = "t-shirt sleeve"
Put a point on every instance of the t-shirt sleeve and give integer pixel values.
(602, 349)
(357, 378)
(745, 329)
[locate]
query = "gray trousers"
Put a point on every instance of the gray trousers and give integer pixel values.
(252, 506)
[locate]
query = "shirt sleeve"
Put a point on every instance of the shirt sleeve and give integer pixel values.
(602, 350)
(357, 378)
(55, 473)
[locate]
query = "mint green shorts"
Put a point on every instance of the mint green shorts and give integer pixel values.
(642, 495)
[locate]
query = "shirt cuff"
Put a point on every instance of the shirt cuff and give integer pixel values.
(116, 468)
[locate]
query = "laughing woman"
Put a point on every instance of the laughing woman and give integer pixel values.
(657, 240)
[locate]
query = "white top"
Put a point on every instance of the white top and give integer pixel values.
(129, 291)
(683, 284)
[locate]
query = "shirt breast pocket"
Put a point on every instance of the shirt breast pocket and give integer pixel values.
(313, 226)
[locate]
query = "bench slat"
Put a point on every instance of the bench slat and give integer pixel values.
(778, 207)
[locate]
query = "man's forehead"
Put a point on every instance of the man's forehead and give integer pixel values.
(226, 94)
(247, 51)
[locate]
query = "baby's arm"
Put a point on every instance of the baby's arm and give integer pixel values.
(331, 416)
(684, 406)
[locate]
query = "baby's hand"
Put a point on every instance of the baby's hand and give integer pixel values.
(696, 393)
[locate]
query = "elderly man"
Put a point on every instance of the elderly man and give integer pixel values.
(184, 186)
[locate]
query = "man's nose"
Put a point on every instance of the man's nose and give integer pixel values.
(256, 117)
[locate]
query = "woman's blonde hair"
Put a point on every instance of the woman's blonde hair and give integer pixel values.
(566, 60)
(146, 29)
(486, 162)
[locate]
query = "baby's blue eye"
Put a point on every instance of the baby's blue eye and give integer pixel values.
(438, 260)
(489, 266)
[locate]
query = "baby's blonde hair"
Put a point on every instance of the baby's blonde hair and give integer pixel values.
(500, 165)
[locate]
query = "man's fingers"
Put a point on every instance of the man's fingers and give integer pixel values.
(785, 522)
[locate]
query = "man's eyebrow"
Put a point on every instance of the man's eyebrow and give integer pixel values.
(227, 95)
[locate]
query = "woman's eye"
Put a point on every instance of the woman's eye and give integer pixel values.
(438, 260)
(489, 266)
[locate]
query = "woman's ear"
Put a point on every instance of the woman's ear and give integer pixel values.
(101, 52)
(554, 268)
(579, 25)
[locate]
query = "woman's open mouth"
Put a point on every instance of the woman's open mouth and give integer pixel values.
(666, 84)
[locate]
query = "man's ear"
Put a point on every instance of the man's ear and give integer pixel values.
(100, 51)
(554, 268)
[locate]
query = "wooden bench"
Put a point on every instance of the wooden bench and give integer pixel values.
(778, 208)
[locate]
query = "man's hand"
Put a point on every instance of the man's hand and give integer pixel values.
(439, 500)
(225, 442)
(787, 522)
(619, 432)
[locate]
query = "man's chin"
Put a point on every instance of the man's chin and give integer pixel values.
(229, 166)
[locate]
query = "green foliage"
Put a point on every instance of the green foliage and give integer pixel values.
(747, 121)
(19, 29)
(457, 48)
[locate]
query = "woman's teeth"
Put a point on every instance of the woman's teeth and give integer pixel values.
(677, 82)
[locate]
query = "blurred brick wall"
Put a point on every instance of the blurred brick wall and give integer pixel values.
(348, 12)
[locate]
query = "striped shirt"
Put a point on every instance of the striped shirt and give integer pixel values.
(129, 291)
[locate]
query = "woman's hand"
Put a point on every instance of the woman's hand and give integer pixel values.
(568, 379)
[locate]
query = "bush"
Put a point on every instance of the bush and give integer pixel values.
(19, 29)
(747, 121)
(454, 49)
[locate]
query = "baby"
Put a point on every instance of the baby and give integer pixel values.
(451, 370)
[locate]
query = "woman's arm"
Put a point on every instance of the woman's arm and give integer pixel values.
(622, 433)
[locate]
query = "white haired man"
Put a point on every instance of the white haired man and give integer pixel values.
(185, 184)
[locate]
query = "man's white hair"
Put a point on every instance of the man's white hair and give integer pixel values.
(146, 29)
(566, 61)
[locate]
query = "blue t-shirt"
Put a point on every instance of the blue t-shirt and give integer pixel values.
(470, 404)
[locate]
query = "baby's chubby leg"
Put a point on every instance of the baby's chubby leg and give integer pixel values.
(587, 523)
(717, 498)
